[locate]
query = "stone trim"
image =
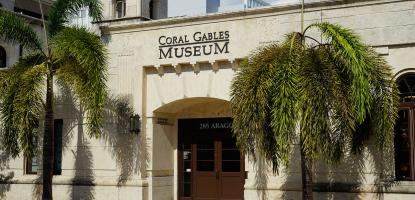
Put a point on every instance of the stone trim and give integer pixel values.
(161, 173)
(93, 181)
(215, 64)
(402, 187)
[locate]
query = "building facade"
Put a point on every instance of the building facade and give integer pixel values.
(176, 74)
(30, 11)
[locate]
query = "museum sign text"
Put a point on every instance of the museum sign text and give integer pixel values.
(196, 44)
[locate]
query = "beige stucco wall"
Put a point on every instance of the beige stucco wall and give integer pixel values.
(164, 90)
(385, 25)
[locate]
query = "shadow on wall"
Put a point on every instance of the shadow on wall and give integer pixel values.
(128, 149)
(120, 143)
(5, 176)
(84, 175)
(342, 181)
(261, 177)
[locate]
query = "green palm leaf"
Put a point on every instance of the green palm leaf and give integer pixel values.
(385, 102)
(351, 54)
(83, 68)
(261, 116)
(63, 10)
(337, 93)
(15, 30)
(21, 104)
(28, 104)
(75, 56)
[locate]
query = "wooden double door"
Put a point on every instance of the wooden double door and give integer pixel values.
(211, 166)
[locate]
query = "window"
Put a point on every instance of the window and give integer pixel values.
(405, 130)
(120, 8)
(212, 6)
(32, 164)
(3, 57)
(57, 164)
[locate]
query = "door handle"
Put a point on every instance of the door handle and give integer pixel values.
(217, 174)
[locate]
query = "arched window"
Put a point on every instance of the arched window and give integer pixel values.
(405, 129)
(3, 57)
(120, 7)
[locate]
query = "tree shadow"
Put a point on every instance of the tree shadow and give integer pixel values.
(37, 188)
(5, 176)
(84, 177)
(285, 180)
(69, 109)
(261, 177)
(331, 181)
(291, 188)
(384, 169)
(371, 171)
(126, 148)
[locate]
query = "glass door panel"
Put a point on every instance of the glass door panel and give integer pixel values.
(231, 156)
(205, 153)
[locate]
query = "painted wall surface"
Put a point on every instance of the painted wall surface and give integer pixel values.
(163, 89)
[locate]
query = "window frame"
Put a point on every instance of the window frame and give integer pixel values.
(410, 108)
(28, 162)
(123, 10)
(407, 104)
(28, 166)
(57, 167)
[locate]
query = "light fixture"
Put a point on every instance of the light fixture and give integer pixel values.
(135, 124)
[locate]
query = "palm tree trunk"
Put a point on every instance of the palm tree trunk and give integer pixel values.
(48, 141)
(306, 176)
(306, 164)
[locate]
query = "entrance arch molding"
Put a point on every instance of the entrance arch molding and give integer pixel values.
(162, 137)
(195, 107)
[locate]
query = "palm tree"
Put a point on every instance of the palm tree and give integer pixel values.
(321, 94)
(73, 55)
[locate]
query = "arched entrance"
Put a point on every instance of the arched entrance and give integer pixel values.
(208, 165)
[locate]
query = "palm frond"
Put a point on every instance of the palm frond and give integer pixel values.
(28, 105)
(63, 10)
(326, 121)
(83, 68)
(14, 29)
(372, 89)
(385, 102)
(338, 93)
(264, 121)
(22, 80)
(284, 95)
(347, 48)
